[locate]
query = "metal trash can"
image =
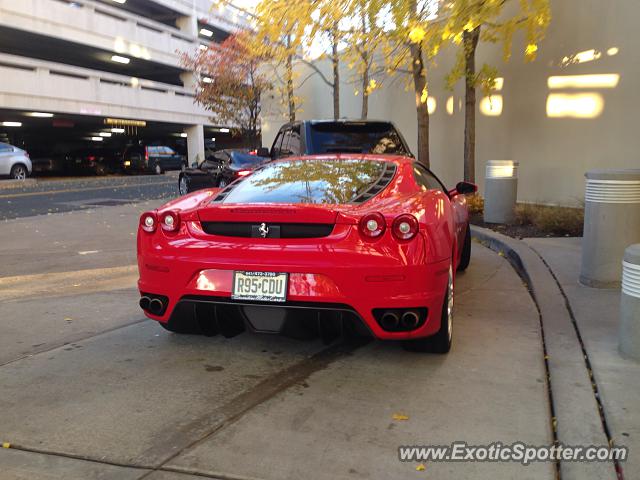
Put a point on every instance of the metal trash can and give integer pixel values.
(611, 223)
(630, 303)
(500, 191)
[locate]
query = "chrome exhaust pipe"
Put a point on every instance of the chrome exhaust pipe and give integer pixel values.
(410, 320)
(144, 302)
(155, 306)
(389, 321)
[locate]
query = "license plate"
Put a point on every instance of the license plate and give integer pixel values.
(260, 286)
(127, 163)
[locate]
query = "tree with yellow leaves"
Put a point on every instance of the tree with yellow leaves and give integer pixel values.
(495, 21)
(413, 37)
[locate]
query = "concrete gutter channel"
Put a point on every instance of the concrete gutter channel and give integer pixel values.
(578, 417)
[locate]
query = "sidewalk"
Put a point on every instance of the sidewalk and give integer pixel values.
(596, 312)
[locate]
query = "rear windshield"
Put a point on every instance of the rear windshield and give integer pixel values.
(246, 159)
(370, 137)
(308, 181)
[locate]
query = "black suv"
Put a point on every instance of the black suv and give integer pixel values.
(152, 158)
(309, 137)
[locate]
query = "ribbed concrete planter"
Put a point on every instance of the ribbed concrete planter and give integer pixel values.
(611, 223)
(630, 304)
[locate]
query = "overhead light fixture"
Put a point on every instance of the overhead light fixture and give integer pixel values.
(213, 139)
(613, 51)
(40, 114)
(105, 134)
(97, 139)
(207, 80)
(206, 32)
(224, 130)
(183, 135)
(604, 80)
(117, 130)
(120, 59)
(120, 1)
(11, 124)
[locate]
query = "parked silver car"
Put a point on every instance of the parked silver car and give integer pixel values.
(14, 162)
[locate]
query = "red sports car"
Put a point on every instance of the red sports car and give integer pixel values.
(311, 245)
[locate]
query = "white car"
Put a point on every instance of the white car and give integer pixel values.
(14, 162)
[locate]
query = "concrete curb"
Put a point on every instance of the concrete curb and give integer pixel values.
(575, 411)
(29, 182)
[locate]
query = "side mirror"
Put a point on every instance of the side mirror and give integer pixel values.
(263, 152)
(464, 188)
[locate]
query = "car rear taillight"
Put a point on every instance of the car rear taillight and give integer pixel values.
(91, 158)
(148, 222)
(372, 225)
(243, 173)
(170, 221)
(405, 227)
(146, 155)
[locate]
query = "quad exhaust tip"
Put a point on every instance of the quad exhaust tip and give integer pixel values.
(410, 320)
(389, 321)
(155, 306)
(144, 302)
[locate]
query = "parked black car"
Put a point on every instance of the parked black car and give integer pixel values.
(309, 137)
(95, 161)
(218, 170)
(152, 158)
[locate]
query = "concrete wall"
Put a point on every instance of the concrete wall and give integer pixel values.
(554, 152)
(53, 87)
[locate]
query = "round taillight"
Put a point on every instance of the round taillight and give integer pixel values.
(170, 221)
(405, 227)
(372, 225)
(148, 222)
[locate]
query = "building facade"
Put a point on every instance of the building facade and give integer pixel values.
(86, 69)
(570, 111)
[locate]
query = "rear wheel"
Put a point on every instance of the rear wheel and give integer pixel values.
(222, 183)
(465, 258)
(183, 184)
(19, 172)
(157, 169)
(441, 341)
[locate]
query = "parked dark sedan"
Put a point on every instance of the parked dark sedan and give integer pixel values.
(218, 170)
(95, 161)
(152, 158)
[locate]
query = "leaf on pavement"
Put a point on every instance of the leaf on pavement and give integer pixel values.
(400, 416)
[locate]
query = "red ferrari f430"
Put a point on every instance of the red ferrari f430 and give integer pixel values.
(311, 245)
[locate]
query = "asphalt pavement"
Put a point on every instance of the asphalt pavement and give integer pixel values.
(55, 195)
(92, 389)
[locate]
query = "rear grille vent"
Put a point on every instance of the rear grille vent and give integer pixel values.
(376, 187)
(274, 230)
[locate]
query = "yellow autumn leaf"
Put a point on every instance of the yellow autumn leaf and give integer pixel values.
(531, 49)
(424, 96)
(421, 468)
(400, 416)
(417, 34)
(6, 445)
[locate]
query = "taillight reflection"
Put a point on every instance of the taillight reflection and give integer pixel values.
(372, 225)
(148, 222)
(170, 221)
(405, 227)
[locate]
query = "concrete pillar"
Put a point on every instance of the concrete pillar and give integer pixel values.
(611, 223)
(189, 79)
(188, 25)
(630, 303)
(500, 191)
(195, 144)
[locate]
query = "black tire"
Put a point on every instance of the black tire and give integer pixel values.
(466, 251)
(19, 172)
(222, 183)
(441, 341)
(183, 184)
(157, 169)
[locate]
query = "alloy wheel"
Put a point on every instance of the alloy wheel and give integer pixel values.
(19, 173)
(450, 304)
(183, 187)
